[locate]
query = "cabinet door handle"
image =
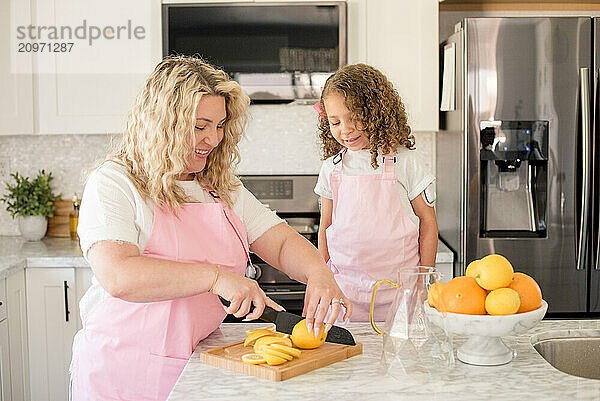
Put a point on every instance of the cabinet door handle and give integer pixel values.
(65, 286)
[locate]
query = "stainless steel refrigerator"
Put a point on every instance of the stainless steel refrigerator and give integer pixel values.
(517, 152)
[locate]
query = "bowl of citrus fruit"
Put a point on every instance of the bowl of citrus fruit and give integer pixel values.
(491, 301)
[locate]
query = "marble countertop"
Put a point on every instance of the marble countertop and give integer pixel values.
(362, 377)
(15, 253)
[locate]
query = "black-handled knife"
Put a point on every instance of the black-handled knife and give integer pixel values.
(285, 322)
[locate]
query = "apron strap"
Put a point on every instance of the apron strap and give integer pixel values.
(218, 200)
(337, 162)
(389, 172)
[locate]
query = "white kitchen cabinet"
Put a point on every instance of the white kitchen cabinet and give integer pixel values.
(52, 324)
(400, 37)
(16, 102)
(16, 308)
(89, 101)
(5, 392)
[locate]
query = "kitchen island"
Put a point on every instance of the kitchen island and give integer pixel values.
(362, 377)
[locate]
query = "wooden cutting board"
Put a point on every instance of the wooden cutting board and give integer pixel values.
(58, 226)
(230, 357)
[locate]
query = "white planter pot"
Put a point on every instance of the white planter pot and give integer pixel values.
(33, 228)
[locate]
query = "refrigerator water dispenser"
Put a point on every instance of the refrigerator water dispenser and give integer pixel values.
(514, 170)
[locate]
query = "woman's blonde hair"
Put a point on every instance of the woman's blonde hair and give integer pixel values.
(159, 134)
(375, 105)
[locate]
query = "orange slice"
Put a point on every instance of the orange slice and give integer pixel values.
(288, 350)
(270, 340)
(283, 335)
(255, 335)
(253, 359)
(266, 349)
(273, 360)
(270, 327)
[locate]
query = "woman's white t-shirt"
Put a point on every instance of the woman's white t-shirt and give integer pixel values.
(412, 175)
(113, 210)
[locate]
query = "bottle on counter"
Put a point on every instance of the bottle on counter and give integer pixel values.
(74, 218)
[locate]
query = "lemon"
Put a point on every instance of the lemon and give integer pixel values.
(303, 339)
(493, 271)
(472, 268)
(503, 301)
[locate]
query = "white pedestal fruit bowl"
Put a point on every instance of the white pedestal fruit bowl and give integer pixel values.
(484, 345)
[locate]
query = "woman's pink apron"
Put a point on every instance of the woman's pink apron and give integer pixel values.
(370, 237)
(136, 351)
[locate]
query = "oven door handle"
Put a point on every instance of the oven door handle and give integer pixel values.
(275, 293)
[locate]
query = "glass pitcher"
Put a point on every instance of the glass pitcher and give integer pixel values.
(412, 346)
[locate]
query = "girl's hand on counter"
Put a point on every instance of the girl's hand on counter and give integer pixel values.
(244, 294)
(321, 290)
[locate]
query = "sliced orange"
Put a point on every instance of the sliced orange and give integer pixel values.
(253, 359)
(266, 349)
(273, 360)
(269, 340)
(284, 348)
(284, 335)
(270, 327)
(255, 335)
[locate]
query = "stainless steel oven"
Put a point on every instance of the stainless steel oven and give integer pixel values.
(293, 199)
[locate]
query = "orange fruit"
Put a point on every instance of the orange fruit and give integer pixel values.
(256, 334)
(503, 301)
(253, 359)
(303, 339)
(433, 294)
(270, 327)
(273, 359)
(529, 291)
(270, 340)
(462, 295)
(267, 350)
(494, 271)
(472, 268)
(284, 348)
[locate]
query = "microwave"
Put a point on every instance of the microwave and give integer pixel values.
(277, 52)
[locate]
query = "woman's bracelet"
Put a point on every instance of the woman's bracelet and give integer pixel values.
(215, 280)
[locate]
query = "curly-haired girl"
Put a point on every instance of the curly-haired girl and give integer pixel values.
(167, 229)
(376, 196)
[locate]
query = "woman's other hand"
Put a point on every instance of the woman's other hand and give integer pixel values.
(243, 294)
(322, 292)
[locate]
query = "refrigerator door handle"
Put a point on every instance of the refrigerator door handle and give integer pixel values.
(597, 131)
(585, 155)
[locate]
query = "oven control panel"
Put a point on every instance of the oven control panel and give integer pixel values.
(271, 188)
(284, 193)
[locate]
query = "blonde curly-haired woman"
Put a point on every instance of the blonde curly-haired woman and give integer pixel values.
(167, 228)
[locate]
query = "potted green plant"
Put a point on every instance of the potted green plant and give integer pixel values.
(31, 202)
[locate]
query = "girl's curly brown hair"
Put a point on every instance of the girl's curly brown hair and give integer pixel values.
(374, 104)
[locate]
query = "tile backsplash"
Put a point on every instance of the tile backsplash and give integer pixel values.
(280, 139)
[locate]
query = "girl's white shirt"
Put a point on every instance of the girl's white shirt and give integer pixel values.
(411, 172)
(113, 210)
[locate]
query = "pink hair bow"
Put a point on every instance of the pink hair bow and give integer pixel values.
(317, 107)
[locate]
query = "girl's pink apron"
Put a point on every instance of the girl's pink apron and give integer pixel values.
(136, 351)
(370, 237)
